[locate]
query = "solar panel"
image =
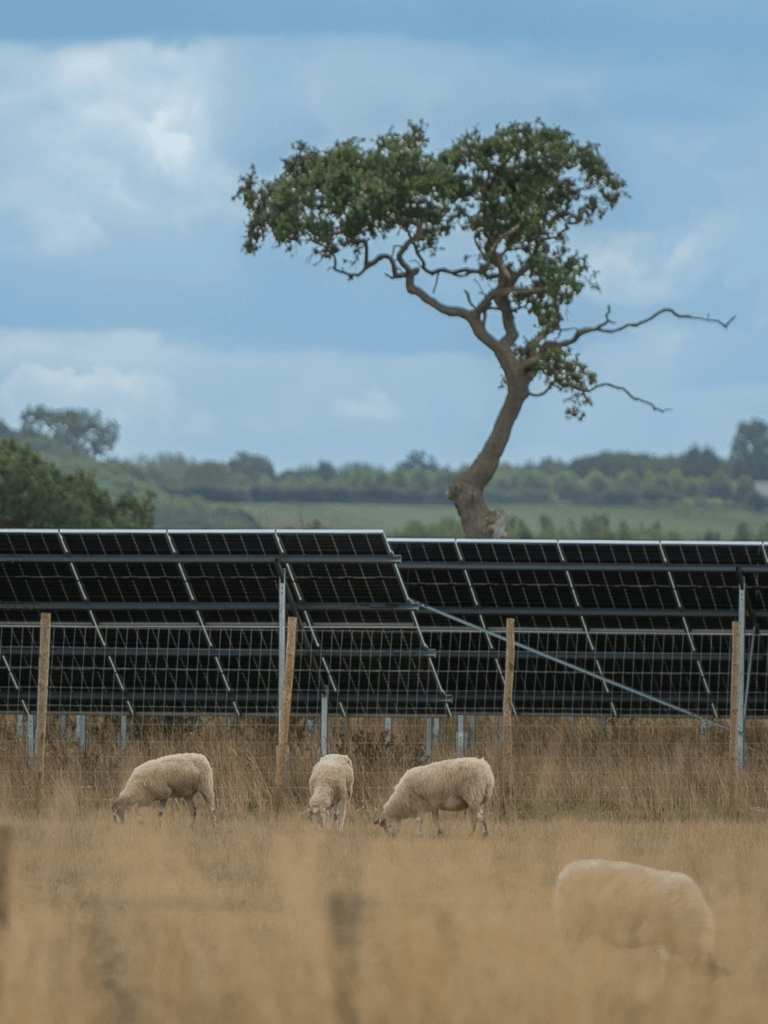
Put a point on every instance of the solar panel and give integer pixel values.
(174, 623)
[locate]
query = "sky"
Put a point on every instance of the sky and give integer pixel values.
(124, 288)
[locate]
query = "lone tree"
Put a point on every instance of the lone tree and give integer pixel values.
(513, 195)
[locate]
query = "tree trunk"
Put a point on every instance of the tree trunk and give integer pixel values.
(466, 489)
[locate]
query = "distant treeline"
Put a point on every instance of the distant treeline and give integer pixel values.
(184, 489)
(610, 478)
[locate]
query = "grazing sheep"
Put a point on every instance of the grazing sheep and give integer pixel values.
(175, 775)
(629, 905)
(330, 788)
(458, 784)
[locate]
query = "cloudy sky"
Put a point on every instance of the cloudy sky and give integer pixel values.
(125, 129)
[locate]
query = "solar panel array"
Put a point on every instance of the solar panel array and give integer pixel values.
(186, 623)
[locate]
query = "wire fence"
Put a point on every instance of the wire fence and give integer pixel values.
(591, 709)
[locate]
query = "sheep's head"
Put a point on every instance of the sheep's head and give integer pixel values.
(118, 810)
(315, 814)
(391, 827)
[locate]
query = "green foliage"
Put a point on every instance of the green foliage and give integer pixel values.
(448, 526)
(36, 495)
(253, 466)
(508, 199)
(749, 450)
(80, 430)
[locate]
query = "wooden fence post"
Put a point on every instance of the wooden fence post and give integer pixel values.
(43, 672)
(346, 911)
(506, 718)
(285, 713)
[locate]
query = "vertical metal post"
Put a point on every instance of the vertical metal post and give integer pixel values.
(43, 673)
(122, 736)
(30, 740)
(461, 742)
(428, 738)
(324, 723)
(703, 732)
(20, 726)
(741, 750)
(61, 734)
(387, 733)
(281, 628)
(733, 748)
(80, 734)
(509, 681)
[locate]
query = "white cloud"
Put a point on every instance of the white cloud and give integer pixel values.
(657, 266)
(103, 132)
(373, 405)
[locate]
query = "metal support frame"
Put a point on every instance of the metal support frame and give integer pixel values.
(652, 698)
(282, 621)
(31, 739)
(324, 723)
(584, 626)
(198, 614)
(417, 624)
(122, 736)
(461, 736)
(689, 635)
(741, 758)
(80, 734)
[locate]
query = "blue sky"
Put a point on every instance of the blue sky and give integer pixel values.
(126, 127)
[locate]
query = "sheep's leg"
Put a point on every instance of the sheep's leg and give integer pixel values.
(436, 819)
(341, 813)
(192, 810)
(160, 811)
(214, 819)
(138, 813)
(418, 824)
(480, 816)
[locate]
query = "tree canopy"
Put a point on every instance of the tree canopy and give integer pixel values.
(505, 203)
(80, 430)
(36, 495)
(749, 450)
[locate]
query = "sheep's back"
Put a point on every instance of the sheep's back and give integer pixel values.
(173, 775)
(629, 904)
(452, 784)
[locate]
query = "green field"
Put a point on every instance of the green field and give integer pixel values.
(690, 522)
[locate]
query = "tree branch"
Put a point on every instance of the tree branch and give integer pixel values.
(620, 387)
(603, 327)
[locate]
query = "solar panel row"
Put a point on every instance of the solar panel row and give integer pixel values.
(186, 623)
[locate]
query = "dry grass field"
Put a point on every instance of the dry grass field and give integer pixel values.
(269, 920)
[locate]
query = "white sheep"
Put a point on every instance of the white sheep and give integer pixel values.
(175, 775)
(629, 905)
(330, 789)
(457, 784)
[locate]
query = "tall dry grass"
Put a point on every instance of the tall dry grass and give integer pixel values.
(269, 920)
(650, 768)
